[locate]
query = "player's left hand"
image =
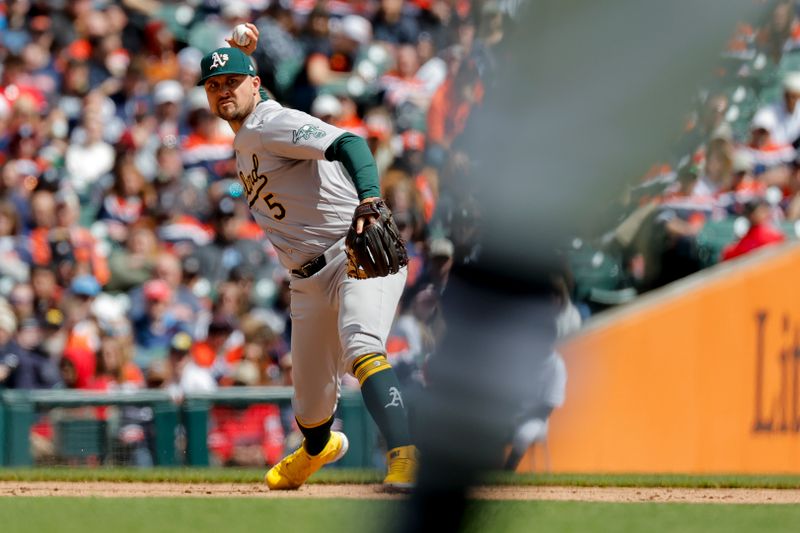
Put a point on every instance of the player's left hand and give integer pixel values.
(252, 43)
(373, 243)
(368, 219)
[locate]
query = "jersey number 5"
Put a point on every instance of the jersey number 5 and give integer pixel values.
(274, 205)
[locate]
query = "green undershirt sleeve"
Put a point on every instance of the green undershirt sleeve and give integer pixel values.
(353, 153)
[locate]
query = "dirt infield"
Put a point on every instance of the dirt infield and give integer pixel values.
(239, 490)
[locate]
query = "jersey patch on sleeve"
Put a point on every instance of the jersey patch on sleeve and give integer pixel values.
(307, 132)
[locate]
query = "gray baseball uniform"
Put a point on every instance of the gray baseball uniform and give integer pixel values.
(305, 204)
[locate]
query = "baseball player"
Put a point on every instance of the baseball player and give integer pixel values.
(305, 182)
(548, 383)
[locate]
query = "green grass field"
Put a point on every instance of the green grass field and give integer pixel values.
(339, 475)
(213, 515)
(199, 515)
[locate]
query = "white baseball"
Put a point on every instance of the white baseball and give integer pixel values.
(241, 35)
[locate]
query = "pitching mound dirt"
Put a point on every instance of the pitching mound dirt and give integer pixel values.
(239, 490)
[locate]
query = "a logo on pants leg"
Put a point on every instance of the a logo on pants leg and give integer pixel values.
(394, 398)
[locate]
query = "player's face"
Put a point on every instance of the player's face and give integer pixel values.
(232, 96)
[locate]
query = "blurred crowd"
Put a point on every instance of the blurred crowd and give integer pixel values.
(730, 184)
(128, 258)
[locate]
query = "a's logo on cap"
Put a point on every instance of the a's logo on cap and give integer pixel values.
(219, 60)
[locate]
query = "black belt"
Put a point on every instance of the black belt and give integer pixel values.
(319, 262)
(312, 267)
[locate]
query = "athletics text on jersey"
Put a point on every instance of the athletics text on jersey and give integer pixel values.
(302, 201)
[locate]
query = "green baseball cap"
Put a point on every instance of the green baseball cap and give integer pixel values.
(225, 61)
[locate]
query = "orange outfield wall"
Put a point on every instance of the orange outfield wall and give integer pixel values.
(703, 376)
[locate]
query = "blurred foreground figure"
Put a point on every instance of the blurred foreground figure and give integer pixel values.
(585, 97)
(499, 334)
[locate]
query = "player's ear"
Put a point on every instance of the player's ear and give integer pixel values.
(256, 83)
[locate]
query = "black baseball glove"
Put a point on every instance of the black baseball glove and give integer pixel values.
(378, 250)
